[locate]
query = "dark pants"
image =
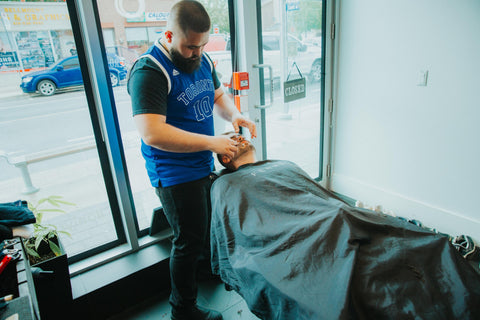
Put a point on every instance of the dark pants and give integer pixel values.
(187, 208)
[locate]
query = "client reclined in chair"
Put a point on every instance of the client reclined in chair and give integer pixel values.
(293, 250)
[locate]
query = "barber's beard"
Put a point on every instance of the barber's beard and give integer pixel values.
(187, 65)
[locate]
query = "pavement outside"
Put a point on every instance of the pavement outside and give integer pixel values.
(10, 84)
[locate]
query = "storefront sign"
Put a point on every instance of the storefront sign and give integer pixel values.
(23, 16)
(9, 60)
(294, 90)
(156, 16)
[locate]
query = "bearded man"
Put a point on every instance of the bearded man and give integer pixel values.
(174, 89)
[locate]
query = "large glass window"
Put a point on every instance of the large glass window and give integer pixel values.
(47, 142)
(54, 143)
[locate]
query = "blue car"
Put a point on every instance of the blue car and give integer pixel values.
(66, 73)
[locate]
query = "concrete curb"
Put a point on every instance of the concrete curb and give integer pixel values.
(11, 84)
(12, 93)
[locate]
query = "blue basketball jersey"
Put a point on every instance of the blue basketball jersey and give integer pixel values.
(189, 107)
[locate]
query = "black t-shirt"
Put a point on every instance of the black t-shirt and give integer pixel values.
(148, 87)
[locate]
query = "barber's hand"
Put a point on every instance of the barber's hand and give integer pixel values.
(224, 145)
(238, 120)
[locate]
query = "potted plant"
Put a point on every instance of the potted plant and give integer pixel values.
(48, 261)
(44, 243)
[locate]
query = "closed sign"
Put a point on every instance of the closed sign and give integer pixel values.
(294, 90)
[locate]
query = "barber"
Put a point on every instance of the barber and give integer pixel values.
(174, 89)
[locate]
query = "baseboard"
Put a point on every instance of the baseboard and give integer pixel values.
(430, 215)
(118, 297)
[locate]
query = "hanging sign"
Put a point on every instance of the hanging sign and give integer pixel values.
(294, 89)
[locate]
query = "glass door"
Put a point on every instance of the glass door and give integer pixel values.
(287, 104)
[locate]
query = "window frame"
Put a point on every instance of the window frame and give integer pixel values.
(87, 32)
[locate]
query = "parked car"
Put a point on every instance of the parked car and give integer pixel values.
(129, 56)
(306, 57)
(216, 42)
(66, 73)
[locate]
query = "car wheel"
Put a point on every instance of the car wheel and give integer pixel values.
(46, 87)
(114, 79)
(316, 72)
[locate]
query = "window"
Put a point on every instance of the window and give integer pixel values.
(70, 64)
(138, 39)
(77, 139)
(271, 43)
(49, 144)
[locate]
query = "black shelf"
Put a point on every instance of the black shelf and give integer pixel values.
(17, 279)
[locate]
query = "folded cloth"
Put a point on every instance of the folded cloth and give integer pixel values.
(5, 232)
(16, 213)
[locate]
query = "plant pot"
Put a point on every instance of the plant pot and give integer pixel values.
(52, 286)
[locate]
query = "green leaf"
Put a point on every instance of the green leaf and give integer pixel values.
(52, 234)
(53, 202)
(65, 233)
(53, 210)
(42, 233)
(41, 201)
(55, 249)
(66, 202)
(32, 252)
(37, 242)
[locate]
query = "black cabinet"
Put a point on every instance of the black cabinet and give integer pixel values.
(17, 279)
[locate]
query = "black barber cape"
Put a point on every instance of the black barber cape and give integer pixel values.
(293, 250)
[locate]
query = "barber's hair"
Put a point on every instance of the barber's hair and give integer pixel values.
(189, 15)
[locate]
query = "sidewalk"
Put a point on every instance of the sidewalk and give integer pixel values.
(10, 84)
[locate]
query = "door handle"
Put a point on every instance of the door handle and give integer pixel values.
(270, 78)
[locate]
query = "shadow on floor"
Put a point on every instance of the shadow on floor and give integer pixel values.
(211, 294)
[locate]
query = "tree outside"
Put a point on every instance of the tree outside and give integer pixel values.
(218, 11)
(307, 19)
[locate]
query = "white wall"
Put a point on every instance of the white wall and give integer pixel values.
(412, 149)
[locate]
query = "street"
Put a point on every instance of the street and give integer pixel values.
(31, 124)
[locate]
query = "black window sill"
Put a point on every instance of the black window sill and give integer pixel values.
(111, 287)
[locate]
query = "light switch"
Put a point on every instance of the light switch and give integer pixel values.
(422, 78)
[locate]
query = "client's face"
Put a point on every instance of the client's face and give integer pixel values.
(243, 146)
